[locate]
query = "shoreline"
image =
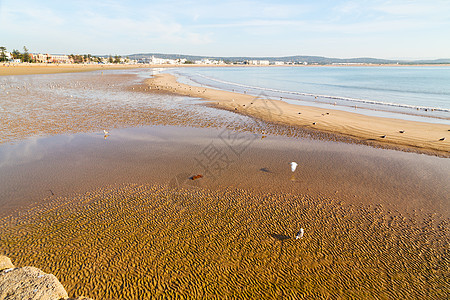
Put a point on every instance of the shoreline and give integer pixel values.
(8, 69)
(418, 136)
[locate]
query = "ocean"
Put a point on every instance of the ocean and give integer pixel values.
(420, 93)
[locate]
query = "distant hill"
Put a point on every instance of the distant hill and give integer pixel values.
(298, 58)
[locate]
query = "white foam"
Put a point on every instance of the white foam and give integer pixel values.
(365, 101)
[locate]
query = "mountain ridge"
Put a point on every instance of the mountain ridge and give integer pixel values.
(294, 58)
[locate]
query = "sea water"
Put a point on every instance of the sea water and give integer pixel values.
(419, 93)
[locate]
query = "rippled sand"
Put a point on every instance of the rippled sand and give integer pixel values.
(135, 242)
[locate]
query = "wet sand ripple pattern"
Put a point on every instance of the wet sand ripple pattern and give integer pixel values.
(150, 241)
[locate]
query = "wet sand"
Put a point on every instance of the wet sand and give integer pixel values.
(118, 217)
(423, 137)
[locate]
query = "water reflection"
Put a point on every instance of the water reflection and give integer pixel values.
(156, 154)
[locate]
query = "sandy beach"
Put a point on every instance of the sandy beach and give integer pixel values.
(38, 68)
(120, 215)
(424, 137)
(29, 69)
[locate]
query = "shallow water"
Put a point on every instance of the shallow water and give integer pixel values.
(37, 168)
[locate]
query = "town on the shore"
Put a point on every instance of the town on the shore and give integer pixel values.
(27, 57)
(15, 56)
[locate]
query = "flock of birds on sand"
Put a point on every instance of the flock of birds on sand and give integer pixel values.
(382, 136)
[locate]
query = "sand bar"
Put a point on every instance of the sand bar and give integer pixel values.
(424, 137)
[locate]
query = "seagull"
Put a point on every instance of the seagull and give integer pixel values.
(293, 166)
(314, 123)
(383, 136)
(106, 132)
(401, 131)
(299, 234)
(442, 139)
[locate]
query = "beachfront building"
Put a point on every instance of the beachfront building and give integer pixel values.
(259, 62)
(207, 61)
(51, 58)
(164, 61)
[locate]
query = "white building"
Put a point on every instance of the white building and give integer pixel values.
(259, 62)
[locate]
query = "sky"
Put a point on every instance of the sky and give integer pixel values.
(390, 29)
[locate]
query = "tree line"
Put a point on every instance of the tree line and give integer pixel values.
(25, 56)
(85, 58)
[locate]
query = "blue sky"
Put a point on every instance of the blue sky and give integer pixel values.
(347, 28)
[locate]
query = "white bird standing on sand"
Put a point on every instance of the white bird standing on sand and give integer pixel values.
(299, 234)
(106, 132)
(293, 166)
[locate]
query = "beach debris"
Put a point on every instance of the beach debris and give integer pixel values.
(383, 136)
(293, 166)
(198, 176)
(299, 234)
(402, 131)
(442, 139)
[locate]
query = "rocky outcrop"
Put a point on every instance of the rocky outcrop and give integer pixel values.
(5, 263)
(29, 283)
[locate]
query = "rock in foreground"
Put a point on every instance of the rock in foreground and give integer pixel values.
(5, 263)
(30, 283)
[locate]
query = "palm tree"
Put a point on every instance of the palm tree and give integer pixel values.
(26, 55)
(2, 53)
